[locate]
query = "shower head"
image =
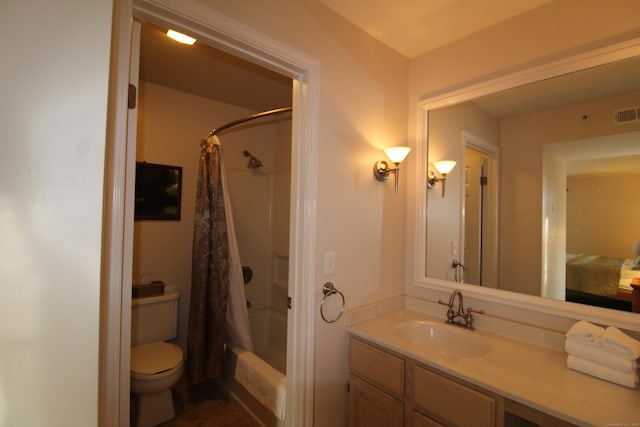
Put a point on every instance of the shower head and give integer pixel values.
(253, 163)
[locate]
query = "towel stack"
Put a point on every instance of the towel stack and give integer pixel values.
(609, 353)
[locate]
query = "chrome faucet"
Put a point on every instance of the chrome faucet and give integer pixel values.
(452, 314)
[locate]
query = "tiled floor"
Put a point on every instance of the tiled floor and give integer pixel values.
(205, 405)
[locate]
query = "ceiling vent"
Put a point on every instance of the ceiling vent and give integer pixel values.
(628, 115)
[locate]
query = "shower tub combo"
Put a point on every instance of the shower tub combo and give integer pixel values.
(257, 381)
(259, 196)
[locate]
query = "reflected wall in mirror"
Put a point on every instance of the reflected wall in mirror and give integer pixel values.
(462, 226)
(545, 212)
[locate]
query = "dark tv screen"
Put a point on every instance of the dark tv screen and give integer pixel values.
(158, 192)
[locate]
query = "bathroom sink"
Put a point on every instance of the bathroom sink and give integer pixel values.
(443, 338)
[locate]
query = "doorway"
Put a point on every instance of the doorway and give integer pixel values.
(188, 17)
(177, 107)
(475, 207)
(480, 211)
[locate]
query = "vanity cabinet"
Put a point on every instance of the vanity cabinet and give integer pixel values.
(450, 401)
(390, 390)
(376, 386)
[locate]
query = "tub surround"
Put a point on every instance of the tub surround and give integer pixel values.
(524, 364)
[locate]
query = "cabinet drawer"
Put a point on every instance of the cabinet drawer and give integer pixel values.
(376, 366)
(451, 401)
(370, 407)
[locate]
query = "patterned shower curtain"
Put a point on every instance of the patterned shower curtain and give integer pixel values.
(218, 303)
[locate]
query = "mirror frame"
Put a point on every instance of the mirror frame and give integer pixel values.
(593, 58)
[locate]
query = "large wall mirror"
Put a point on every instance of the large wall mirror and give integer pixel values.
(543, 199)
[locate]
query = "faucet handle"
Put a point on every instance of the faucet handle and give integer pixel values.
(468, 317)
(450, 314)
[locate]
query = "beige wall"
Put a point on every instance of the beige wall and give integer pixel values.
(602, 215)
(55, 69)
(552, 31)
(445, 143)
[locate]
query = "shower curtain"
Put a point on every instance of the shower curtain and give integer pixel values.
(218, 309)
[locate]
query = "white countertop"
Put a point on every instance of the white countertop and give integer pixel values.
(533, 375)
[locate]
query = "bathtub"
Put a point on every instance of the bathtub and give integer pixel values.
(269, 336)
(257, 380)
(257, 386)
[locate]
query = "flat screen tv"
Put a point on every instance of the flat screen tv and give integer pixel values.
(158, 192)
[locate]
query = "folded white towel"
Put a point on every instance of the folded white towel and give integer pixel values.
(621, 344)
(627, 379)
(600, 355)
(264, 382)
(585, 333)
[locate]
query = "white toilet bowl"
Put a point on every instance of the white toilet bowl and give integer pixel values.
(155, 368)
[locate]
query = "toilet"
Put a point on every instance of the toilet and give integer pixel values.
(156, 365)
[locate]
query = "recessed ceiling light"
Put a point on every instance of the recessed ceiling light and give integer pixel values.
(181, 38)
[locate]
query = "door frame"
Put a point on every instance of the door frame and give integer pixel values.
(238, 39)
(490, 245)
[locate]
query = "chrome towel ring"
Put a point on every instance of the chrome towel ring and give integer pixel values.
(328, 289)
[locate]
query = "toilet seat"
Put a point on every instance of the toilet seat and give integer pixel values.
(155, 358)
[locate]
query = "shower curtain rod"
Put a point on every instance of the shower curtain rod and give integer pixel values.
(247, 119)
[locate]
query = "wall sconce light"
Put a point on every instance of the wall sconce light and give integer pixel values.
(443, 167)
(381, 168)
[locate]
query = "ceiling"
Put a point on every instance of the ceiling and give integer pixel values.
(208, 72)
(594, 83)
(611, 166)
(413, 27)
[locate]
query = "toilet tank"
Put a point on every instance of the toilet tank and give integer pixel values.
(154, 318)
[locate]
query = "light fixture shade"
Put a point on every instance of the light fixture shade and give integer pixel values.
(397, 154)
(181, 38)
(444, 166)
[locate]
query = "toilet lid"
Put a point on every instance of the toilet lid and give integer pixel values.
(155, 358)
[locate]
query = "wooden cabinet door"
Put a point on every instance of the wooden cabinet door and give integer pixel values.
(370, 407)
